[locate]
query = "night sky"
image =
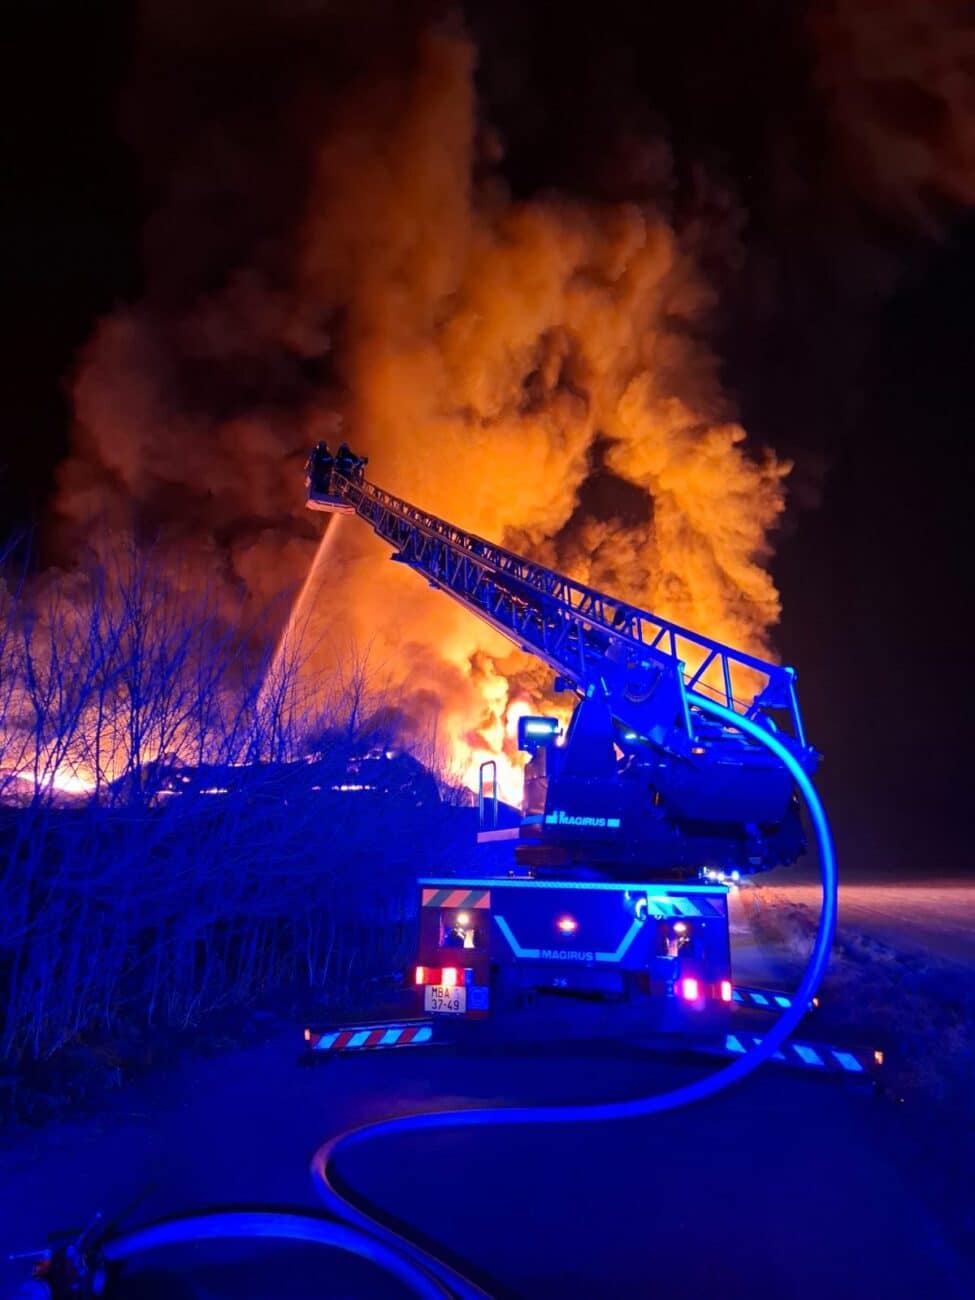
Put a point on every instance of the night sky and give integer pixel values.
(845, 327)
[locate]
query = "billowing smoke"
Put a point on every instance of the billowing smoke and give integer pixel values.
(898, 81)
(341, 257)
(497, 357)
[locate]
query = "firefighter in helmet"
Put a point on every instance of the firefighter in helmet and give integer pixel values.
(349, 464)
(345, 460)
(319, 469)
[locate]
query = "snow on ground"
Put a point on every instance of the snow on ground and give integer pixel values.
(934, 918)
(902, 973)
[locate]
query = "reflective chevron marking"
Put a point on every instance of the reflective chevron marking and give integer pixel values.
(764, 999)
(470, 898)
(414, 1033)
(662, 906)
(804, 1056)
(848, 1061)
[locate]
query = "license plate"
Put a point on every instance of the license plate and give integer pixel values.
(447, 1001)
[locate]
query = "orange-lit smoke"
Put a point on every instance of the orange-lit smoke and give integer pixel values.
(491, 347)
(496, 360)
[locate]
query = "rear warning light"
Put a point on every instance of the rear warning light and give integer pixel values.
(567, 924)
(446, 977)
(726, 990)
(690, 989)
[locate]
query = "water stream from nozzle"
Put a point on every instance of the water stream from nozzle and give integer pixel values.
(287, 655)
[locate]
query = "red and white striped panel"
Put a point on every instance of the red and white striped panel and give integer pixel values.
(354, 1038)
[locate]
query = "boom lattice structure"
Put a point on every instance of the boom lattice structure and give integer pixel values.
(650, 670)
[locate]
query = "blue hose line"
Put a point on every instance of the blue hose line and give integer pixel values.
(638, 1107)
(274, 1224)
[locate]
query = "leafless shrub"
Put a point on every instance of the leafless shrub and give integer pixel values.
(124, 903)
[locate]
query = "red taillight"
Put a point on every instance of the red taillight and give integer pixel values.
(420, 972)
(690, 989)
(448, 976)
(726, 990)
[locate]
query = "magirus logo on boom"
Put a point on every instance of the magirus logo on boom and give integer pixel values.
(559, 817)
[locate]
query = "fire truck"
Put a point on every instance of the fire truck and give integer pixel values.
(633, 821)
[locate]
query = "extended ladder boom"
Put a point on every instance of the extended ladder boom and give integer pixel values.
(650, 670)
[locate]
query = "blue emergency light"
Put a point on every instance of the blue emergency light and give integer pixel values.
(534, 733)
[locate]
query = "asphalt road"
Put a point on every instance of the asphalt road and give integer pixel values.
(785, 1186)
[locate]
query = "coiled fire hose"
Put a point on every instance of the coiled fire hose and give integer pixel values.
(428, 1276)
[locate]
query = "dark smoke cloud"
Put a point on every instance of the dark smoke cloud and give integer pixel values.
(898, 84)
(813, 148)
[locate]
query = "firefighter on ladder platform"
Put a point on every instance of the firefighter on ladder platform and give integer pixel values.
(319, 468)
(349, 464)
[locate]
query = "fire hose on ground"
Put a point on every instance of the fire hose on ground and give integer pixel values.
(356, 1230)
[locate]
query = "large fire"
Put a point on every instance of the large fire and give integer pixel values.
(535, 371)
(495, 352)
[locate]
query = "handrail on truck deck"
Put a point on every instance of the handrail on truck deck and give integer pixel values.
(492, 798)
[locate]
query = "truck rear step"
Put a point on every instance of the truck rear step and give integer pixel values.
(376, 1034)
